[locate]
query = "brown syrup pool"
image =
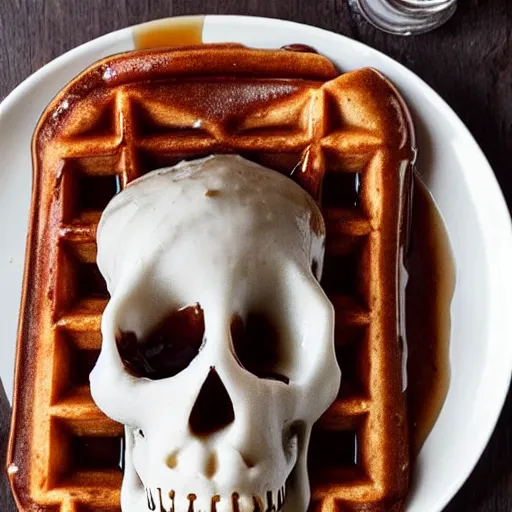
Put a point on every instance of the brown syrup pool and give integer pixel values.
(184, 31)
(428, 298)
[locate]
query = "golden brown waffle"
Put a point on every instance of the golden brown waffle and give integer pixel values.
(139, 111)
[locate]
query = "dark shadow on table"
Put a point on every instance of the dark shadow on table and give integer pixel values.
(6, 501)
(494, 471)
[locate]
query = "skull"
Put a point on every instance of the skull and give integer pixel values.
(217, 352)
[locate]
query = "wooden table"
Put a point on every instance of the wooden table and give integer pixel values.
(468, 61)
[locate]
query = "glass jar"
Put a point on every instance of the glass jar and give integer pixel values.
(406, 17)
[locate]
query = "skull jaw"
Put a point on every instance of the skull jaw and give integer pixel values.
(137, 499)
(292, 496)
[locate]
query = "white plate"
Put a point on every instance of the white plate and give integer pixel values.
(456, 172)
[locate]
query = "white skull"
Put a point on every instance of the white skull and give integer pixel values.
(229, 426)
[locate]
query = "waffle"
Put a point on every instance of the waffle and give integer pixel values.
(287, 109)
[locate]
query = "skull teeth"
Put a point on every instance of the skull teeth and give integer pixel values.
(274, 502)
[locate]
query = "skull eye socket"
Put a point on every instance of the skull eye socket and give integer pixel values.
(168, 349)
(257, 345)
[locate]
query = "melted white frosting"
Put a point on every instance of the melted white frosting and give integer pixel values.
(159, 222)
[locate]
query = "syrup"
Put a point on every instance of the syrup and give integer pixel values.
(184, 31)
(428, 297)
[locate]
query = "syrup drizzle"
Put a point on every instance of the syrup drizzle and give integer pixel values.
(428, 298)
(171, 496)
(182, 31)
(234, 501)
(258, 506)
(191, 499)
(151, 501)
(235, 497)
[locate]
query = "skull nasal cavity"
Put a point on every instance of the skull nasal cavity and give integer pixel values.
(213, 409)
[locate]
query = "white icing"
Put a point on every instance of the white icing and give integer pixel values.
(234, 237)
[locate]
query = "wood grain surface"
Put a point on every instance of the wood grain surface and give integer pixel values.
(468, 61)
